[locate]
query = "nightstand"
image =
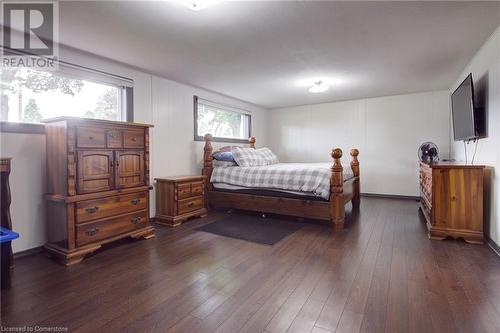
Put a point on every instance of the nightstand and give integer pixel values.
(179, 198)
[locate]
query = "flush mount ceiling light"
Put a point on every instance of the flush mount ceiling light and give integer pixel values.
(319, 87)
(198, 5)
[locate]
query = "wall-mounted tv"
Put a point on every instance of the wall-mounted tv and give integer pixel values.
(465, 117)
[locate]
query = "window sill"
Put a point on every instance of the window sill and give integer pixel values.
(227, 140)
(24, 128)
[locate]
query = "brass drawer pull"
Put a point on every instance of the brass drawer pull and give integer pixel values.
(92, 210)
(92, 232)
(136, 220)
(191, 204)
(135, 201)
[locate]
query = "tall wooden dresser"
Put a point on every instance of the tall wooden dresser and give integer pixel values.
(451, 199)
(97, 184)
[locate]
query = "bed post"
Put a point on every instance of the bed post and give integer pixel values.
(207, 162)
(355, 170)
(337, 205)
(251, 141)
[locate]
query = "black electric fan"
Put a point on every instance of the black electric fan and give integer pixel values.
(428, 152)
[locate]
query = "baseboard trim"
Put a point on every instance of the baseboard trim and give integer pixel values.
(390, 196)
(29, 252)
(493, 245)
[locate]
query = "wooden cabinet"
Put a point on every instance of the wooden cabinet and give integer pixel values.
(98, 185)
(129, 168)
(451, 199)
(179, 198)
(95, 171)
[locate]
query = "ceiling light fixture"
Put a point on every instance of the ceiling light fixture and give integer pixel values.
(319, 87)
(198, 5)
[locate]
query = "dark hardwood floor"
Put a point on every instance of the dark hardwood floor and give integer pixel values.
(380, 273)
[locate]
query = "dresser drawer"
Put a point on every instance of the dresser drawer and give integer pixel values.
(114, 138)
(189, 205)
(90, 137)
(95, 231)
(97, 209)
(133, 139)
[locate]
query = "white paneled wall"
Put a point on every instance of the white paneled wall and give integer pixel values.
(485, 69)
(386, 130)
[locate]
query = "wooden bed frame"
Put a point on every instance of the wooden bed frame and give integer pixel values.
(332, 210)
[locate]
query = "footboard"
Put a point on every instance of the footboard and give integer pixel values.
(342, 192)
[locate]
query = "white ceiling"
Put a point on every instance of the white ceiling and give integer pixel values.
(261, 52)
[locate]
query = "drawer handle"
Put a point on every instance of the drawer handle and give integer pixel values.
(92, 232)
(135, 201)
(133, 139)
(191, 204)
(92, 210)
(91, 138)
(136, 220)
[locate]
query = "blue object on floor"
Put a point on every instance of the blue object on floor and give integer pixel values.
(7, 235)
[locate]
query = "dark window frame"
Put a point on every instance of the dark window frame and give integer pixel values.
(216, 138)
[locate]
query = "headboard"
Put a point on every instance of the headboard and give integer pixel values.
(208, 159)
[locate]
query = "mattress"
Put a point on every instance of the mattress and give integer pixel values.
(268, 192)
(310, 179)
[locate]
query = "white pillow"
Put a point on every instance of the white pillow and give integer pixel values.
(248, 157)
(268, 155)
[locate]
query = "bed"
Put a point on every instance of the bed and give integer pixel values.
(304, 190)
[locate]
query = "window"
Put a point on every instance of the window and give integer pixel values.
(225, 123)
(30, 95)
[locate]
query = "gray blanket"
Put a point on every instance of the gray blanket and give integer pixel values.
(304, 177)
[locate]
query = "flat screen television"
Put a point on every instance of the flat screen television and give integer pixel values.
(465, 119)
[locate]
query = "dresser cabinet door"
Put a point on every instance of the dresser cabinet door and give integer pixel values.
(95, 171)
(129, 168)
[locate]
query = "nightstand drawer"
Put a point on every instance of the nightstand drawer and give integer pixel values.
(184, 190)
(197, 188)
(188, 205)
